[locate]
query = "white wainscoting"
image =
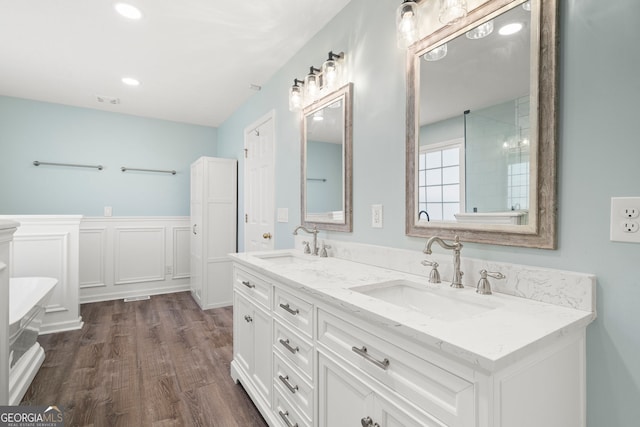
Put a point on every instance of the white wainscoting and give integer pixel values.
(125, 257)
(48, 245)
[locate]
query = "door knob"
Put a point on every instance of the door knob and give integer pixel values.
(266, 236)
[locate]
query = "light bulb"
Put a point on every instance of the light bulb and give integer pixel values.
(295, 98)
(311, 87)
(407, 24)
(452, 11)
(330, 71)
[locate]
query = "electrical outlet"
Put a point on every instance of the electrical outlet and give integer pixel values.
(376, 216)
(624, 226)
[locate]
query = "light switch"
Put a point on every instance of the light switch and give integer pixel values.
(376, 216)
(283, 214)
(107, 211)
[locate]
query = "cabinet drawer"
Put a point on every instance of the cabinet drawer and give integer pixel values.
(435, 390)
(296, 312)
(255, 288)
(286, 413)
(291, 384)
(297, 350)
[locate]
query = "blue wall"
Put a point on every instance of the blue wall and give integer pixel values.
(31, 130)
(598, 159)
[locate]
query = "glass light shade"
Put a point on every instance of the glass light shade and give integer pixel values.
(331, 72)
(407, 24)
(436, 54)
(318, 116)
(452, 11)
(311, 88)
(481, 31)
(527, 6)
(295, 98)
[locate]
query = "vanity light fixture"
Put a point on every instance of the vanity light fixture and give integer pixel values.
(436, 54)
(481, 31)
(452, 11)
(407, 23)
(527, 6)
(130, 81)
(296, 96)
(331, 70)
(311, 85)
(509, 29)
(128, 11)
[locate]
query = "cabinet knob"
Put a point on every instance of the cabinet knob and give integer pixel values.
(368, 422)
(266, 236)
(248, 318)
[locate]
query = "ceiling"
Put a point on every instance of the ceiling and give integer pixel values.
(196, 59)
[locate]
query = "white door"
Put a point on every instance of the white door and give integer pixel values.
(197, 173)
(259, 185)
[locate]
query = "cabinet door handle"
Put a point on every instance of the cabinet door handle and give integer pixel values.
(368, 422)
(286, 345)
(194, 228)
(384, 364)
(248, 318)
(288, 309)
(292, 388)
(248, 284)
(285, 416)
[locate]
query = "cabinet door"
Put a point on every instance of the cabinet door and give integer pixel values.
(342, 399)
(196, 229)
(394, 414)
(243, 333)
(262, 354)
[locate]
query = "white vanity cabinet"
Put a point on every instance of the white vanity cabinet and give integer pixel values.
(252, 327)
(333, 363)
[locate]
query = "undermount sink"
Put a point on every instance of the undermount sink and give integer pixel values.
(284, 258)
(444, 304)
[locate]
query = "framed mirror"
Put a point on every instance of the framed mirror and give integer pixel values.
(326, 176)
(481, 127)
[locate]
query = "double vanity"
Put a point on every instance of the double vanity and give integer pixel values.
(340, 341)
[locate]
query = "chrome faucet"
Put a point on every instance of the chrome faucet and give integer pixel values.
(456, 247)
(315, 236)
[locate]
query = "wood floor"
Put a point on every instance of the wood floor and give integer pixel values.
(159, 362)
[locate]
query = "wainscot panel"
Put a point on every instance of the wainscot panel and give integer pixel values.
(128, 257)
(48, 245)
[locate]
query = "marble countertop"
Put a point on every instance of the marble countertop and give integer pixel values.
(510, 330)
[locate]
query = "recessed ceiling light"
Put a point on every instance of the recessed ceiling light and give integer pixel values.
(130, 81)
(510, 29)
(128, 11)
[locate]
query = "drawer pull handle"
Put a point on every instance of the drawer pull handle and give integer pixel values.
(286, 345)
(288, 309)
(248, 318)
(368, 422)
(292, 388)
(384, 364)
(248, 284)
(285, 416)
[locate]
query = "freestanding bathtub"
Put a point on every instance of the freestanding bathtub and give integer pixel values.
(28, 297)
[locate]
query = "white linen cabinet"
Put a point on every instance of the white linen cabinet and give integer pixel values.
(214, 194)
